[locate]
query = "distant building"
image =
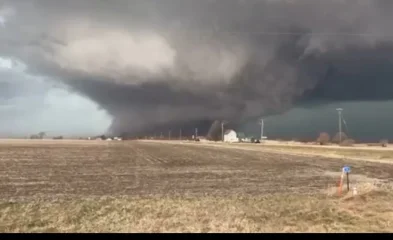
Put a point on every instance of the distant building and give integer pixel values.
(230, 136)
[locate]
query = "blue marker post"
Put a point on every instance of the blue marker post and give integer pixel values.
(347, 170)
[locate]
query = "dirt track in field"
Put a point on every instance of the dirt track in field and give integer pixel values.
(135, 168)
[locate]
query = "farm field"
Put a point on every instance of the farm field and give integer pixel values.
(147, 186)
(357, 152)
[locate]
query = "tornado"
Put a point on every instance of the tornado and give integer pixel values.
(156, 65)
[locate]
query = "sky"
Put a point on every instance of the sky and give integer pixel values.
(83, 67)
(363, 121)
(30, 104)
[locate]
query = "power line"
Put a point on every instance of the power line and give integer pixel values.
(262, 123)
(222, 129)
(339, 110)
(345, 124)
(274, 33)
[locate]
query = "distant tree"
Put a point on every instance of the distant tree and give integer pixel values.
(214, 133)
(324, 138)
(34, 136)
(41, 135)
(384, 142)
(336, 138)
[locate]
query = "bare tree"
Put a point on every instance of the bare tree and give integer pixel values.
(214, 133)
(41, 135)
(384, 142)
(336, 138)
(324, 138)
(34, 136)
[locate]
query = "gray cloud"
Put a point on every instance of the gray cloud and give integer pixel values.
(365, 122)
(29, 105)
(151, 63)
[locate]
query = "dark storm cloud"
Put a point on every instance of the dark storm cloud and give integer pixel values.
(161, 62)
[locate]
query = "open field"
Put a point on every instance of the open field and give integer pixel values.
(367, 153)
(356, 152)
(142, 186)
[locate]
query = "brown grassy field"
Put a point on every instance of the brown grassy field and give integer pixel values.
(142, 186)
(356, 152)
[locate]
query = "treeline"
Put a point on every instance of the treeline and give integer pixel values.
(325, 139)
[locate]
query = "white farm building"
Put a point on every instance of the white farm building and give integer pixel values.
(230, 136)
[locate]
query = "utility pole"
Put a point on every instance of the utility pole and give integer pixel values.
(261, 122)
(169, 134)
(180, 135)
(339, 110)
(222, 129)
(196, 133)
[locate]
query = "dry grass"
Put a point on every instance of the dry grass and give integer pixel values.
(155, 187)
(378, 154)
(371, 212)
(348, 152)
(356, 152)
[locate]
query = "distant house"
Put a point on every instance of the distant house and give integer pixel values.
(230, 136)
